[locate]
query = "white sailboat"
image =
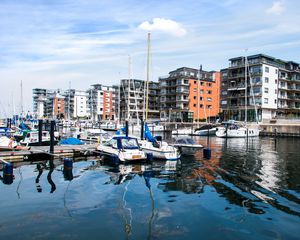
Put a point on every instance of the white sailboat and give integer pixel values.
(232, 129)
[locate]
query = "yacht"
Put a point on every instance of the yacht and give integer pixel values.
(122, 148)
(32, 139)
(158, 148)
(187, 145)
(232, 129)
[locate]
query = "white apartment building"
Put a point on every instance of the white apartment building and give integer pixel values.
(101, 102)
(272, 84)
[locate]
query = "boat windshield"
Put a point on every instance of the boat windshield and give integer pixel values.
(129, 143)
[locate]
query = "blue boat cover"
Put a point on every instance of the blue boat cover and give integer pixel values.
(71, 141)
(148, 134)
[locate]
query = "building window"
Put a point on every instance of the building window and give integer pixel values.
(275, 101)
(195, 82)
(208, 84)
(195, 105)
(266, 100)
(201, 105)
(195, 97)
(266, 80)
(201, 98)
(195, 89)
(267, 69)
(276, 71)
(266, 90)
(202, 83)
(275, 91)
(208, 106)
(202, 91)
(208, 91)
(208, 99)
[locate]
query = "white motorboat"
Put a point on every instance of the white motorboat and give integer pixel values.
(122, 148)
(233, 130)
(32, 139)
(158, 148)
(182, 131)
(187, 145)
(206, 130)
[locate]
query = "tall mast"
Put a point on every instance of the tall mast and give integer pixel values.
(119, 96)
(22, 109)
(129, 81)
(147, 86)
(246, 89)
(198, 96)
(69, 104)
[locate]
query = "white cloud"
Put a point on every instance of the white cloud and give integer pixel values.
(164, 25)
(277, 8)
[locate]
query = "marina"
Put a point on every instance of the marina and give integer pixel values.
(249, 189)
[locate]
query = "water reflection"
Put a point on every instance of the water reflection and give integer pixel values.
(250, 180)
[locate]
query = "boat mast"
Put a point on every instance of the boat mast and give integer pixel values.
(129, 81)
(69, 101)
(147, 83)
(246, 62)
(22, 109)
(119, 96)
(198, 97)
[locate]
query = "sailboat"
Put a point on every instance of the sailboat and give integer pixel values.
(234, 129)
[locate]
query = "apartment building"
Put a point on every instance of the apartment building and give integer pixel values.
(101, 102)
(271, 89)
(131, 95)
(55, 105)
(75, 104)
(189, 94)
(39, 96)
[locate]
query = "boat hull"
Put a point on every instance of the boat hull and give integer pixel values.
(237, 133)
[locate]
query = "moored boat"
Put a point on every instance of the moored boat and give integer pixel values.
(122, 148)
(187, 145)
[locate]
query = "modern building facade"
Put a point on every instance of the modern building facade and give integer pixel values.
(132, 99)
(271, 89)
(39, 96)
(75, 104)
(101, 102)
(189, 95)
(55, 105)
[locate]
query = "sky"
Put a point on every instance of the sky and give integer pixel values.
(60, 43)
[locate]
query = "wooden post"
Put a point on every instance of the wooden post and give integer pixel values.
(40, 131)
(52, 126)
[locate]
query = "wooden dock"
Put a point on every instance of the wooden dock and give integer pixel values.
(43, 153)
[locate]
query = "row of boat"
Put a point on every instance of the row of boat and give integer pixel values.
(226, 130)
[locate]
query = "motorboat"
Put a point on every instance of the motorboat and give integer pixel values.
(186, 145)
(9, 144)
(32, 139)
(232, 129)
(158, 148)
(122, 148)
(182, 131)
(206, 130)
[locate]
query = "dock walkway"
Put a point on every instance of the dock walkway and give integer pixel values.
(43, 153)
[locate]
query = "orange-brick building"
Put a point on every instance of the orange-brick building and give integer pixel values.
(189, 95)
(204, 98)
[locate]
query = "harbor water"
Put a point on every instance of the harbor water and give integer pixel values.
(249, 189)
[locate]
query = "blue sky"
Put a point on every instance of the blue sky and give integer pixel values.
(48, 44)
